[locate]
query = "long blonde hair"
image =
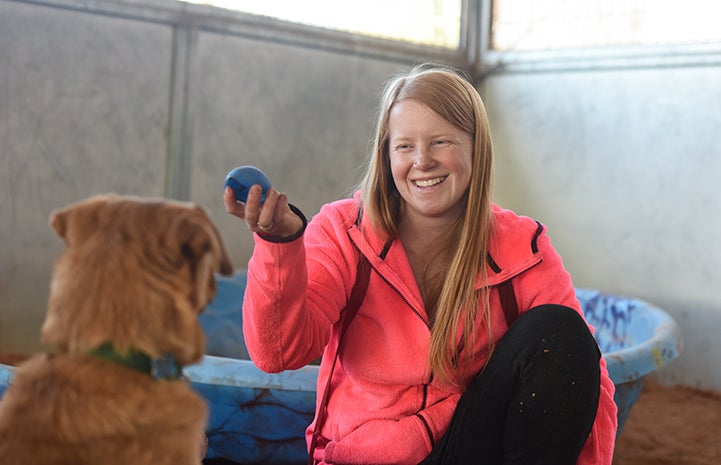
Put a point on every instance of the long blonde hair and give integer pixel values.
(449, 94)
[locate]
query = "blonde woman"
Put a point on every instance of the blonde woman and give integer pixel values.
(469, 345)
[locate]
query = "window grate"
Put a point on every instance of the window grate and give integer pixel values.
(434, 23)
(564, 24)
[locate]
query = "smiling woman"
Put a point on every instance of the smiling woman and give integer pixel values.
(431, 162)
(426, 22)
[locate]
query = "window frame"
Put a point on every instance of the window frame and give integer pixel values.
(589, 59)
(473, 53)
(208, 18)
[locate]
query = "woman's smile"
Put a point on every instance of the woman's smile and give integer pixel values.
(429, 182)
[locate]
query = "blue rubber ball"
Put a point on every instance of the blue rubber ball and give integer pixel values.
(242, 178)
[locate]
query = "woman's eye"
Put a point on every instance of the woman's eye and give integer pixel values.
(441, 142)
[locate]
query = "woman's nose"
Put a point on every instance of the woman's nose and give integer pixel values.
(423, 158)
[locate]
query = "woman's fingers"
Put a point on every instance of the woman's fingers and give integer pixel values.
(253, 207)
(231, 205)
(273, 216)
(267, 212)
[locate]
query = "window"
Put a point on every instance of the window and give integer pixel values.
(562, 24)
(426, 22)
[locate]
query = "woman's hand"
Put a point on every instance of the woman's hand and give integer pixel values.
(273, 217)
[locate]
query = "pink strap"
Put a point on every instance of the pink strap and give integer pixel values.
(508, 301)
(356, 298)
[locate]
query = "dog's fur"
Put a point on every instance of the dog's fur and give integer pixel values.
(136, 273)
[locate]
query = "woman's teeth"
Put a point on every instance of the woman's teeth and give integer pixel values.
(428, 182)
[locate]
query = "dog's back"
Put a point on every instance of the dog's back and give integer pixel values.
(77, 409)
(127, 291)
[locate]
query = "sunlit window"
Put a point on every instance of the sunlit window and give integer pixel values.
(558, 24)
(426, 22)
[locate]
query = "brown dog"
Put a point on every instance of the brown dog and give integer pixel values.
(125, 293)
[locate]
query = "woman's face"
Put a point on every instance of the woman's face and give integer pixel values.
(430, 161)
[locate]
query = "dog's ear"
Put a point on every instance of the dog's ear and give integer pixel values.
(77, 219)
(58, 221)
(223, 264)
(203, 247)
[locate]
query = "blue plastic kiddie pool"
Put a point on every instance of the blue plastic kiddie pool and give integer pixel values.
(257, 417)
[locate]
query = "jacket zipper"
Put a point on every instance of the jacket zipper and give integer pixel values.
(403, 298)
(425, 385)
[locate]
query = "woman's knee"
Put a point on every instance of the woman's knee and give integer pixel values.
(556, 319)
(552, 326)
(554, 315)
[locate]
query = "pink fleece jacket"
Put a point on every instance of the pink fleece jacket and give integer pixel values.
(383, 407)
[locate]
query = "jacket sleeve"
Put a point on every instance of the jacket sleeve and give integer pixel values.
(295, 292)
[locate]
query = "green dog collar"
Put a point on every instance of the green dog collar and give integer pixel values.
(165, 367)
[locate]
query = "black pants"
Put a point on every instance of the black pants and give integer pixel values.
(535, 401)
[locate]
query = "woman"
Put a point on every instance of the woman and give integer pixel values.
(431, 370)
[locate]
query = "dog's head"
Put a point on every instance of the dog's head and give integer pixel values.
(136, 273)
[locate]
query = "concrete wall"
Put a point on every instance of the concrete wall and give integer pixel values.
(83, 110)
(114, 98)
(623, 167)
